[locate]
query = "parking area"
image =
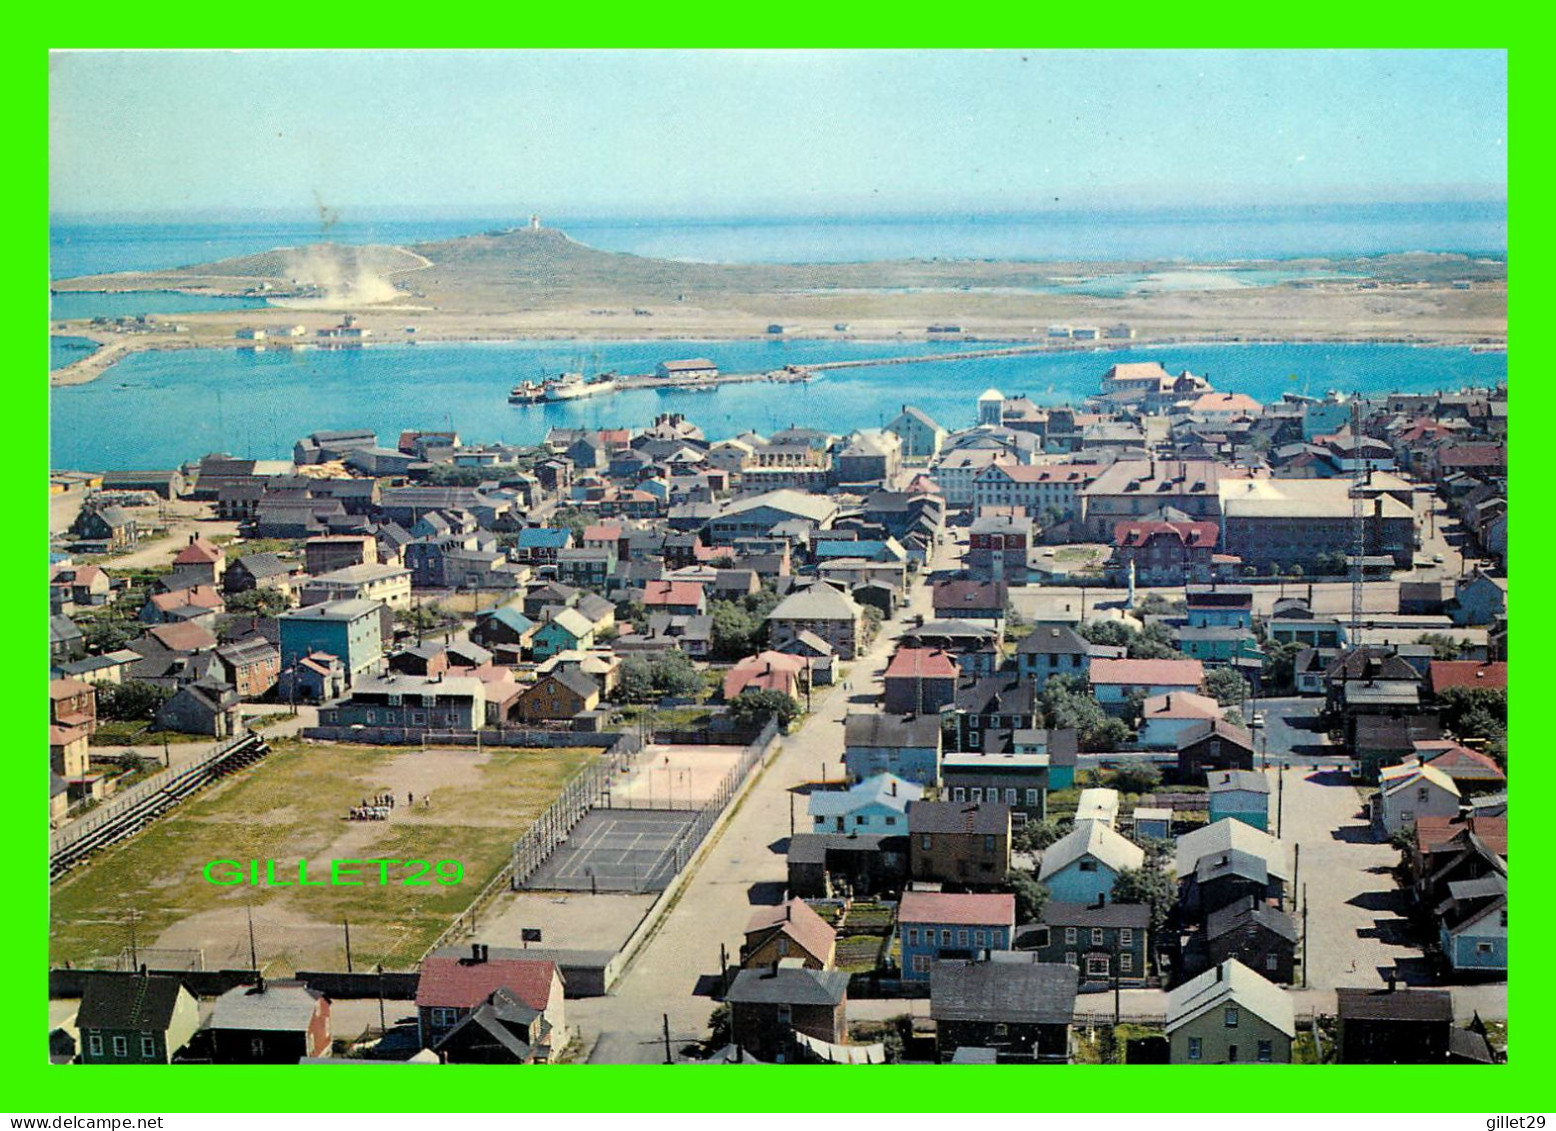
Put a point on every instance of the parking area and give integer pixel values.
(1292, 733)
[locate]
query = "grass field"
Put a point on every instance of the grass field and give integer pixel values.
(293, 806)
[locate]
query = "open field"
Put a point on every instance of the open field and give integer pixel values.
(541, 284)
(293, 806)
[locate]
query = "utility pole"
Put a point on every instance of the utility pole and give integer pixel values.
(346, 921)
(1296, 872)
(1304, 938)
(668, 1058)
(791, 814)
(723, 970)
(253, 953)
(382, 1024)
(1280, 799)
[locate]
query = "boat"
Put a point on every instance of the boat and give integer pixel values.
(527, 392)
(572, 386)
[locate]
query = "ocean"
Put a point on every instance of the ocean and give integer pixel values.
(161, 408)
(85, 245)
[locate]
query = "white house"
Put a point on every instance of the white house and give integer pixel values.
(1406, 793)
(876, 806)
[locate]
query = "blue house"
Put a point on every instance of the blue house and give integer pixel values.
(1242, 795)
(907, 746)
(877, 805)
(1081, 867)
(1473, 927)
(541, 544)
(350, 630)
(568, 631)
(936, 925)
(1220, 606)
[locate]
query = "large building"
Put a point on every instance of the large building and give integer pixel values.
(1278, 523)
(1135, 489)
(351, 631)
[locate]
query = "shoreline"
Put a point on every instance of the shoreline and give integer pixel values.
(111, 350)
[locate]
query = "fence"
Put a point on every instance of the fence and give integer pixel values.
(490, 736)
(143, 803)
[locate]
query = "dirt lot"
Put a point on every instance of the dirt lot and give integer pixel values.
(293, 806)
(674, 777)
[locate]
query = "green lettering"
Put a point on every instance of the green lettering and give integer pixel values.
(383, 869)
(235, 874)
(302, 876)
(270, 876)
(339, 870)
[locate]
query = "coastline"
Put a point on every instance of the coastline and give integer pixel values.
(113, 348)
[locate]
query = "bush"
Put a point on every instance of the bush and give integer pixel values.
(1136, 777)
(130, 702)
(752, 709)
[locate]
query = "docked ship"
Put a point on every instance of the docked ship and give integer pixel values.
(527, 392)
(571, 386)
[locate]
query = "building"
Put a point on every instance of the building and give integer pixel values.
(820, 609)
(1165, 719)
(1050, 650)
(1019, 778)
(1259, 936)
(1130, 490)
(920, 681)
(1166, 553)
(941, 925)
(134, 1018)
(1103, 940)
(1230, 1015)
(367, 582)
(1219, 606)
(352, 631)
(958, 842)
(789, 930)
(561, 695)
(908, 747)
(1406, 793)
(999, 547)
(1045, 493)
(455, 983)
(768, 1007)
(1214, 745)
(269, 1023)
(971, 600)
(877, 805)
(1393, 1025)
(1241, 795)
(1280, 523)
(921, 437)
(452, 703)
(1011, 1002)
(1082, 866)
(1114, 681)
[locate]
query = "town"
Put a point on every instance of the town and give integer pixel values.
(1166, 727)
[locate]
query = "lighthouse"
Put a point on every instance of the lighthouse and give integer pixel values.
(534, 222)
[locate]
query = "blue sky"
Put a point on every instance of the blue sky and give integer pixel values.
(689, 133)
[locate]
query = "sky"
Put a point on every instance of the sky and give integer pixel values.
(734, 133)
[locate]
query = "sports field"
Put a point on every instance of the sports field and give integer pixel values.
(469, 806)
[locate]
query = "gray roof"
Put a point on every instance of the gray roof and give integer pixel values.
(1237, 915)
(127, 1001)
(1233, 862)
(1007, 988)
(817, 602)
(1057, 640)
(896, 731)
(971, 818)
(277, 1006)
(267, 565)
(788, 985)
(1400, 1004)
(1222, 781)
(812, 848)
(1236, 983)
(1137, 915)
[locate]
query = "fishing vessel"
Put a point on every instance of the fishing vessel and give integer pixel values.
(527, 392)
(571, 386)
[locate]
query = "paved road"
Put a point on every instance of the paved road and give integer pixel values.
(674, 971)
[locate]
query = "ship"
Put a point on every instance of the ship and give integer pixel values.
(572, 386)
(527, 392)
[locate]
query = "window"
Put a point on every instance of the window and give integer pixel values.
(1096, 936)
(442, 1017)
(959, 793)
(1069, 958)
(912, 936)
(1504, 918)
(945, 936)
(891, 820)
(1231, 1017)
(977, 793)
(1266, 1051)
(372, 717)
(121, 1046)
(1010, 797)
(1001, 1030)
(1071, 935)
(1231, 1054)
(785, 1015)
(980, 938)
(1483, 948)
(926, 841)
(921, 964)
(988, 844)
(1088, 865)
(257, 1046)
(1032, 797)
(1126, 936)
(417, 718)
(148, 1046)
(1271, 962)
(394, 700)
(1196, 1048)
(1096, 965)
(94, 1044)
(961, 937)
(783, 947)
(1126, 964)
(859, 820)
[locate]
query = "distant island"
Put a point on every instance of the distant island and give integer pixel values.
(538, 283)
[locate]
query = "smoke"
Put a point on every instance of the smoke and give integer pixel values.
(339, 274)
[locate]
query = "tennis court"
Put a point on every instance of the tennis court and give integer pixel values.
(618, 850)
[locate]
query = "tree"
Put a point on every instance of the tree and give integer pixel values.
(1031, 896)
(1444, 647)
(1034, 836)
(736, 633)
(637, 679)
(675, 674)
(1227, 686)
(107, 633)
(752, 709)
(720, 1028)
(1280, 666)
(260, 602)
(1474, 712)
(1149, 885)
(130, 701)
(872, 622)
(1154, 643)
(573, 520)
(1136, 777)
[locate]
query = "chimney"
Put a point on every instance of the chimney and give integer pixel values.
(475, 953)
(1393, 978)
(788, 912)
(894, 787)
(1219, 968)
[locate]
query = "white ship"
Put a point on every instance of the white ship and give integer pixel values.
(571, 386)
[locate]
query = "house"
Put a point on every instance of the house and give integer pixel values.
(879, 804)
(1114, 681)
(502, 1029)
(975, 647)
(69, 756)
(506, 628)
(1151, 822)
(252, 666)
(448, 703)
(1214, 745)
(971, 600)
(1448, 675)
(1082, 866)
(822, 610)
(1241, 795)
(568, 630)
(678, 598)
(1407, 793)
(1165, 553)
(106, 526)
(201, 562)
(819, 656)
(269, 1023)
(789, 930)
(1219, 606)
(1040, 493)
(940, 925)
(261, 571)
(65, 638)
(1011, 1002)
(1471, 771)
(1103, 940)
(822, 865)
(206, 706)
(455, 983)
(1050, 650)
(1230, 1015)
(351, 631)
(1393, 1025)
(1166, 718)
(959, 842)
(921, 437)
(920, 681)
(1259, 936)
(1477, 600)
(560, 695)
(134, 1018)
(74, 585)
(766, 671)
(999, 547)
(72, 704)
(1019, 777)
(1097, 804)
(768, 1007)
(1472, 924)
(367, 582)
(540, 545)
(1223, 847)
(908, 747)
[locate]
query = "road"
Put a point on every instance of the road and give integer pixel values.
(746, 866)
